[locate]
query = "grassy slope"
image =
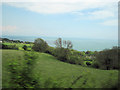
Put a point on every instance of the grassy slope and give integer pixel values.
(48, 67)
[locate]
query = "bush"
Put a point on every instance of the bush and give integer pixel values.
(40, 45)
(50, 50)
(24, 47)
(75, 60)
(62, 54)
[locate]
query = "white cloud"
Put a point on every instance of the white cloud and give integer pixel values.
(110, 23)
(106, 8)
(101, 14)
(61, 6)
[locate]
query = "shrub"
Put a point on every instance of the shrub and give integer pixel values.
(61, 54)
(50, 50)
(24, 47)
(40, 45)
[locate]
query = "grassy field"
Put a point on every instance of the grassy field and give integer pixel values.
(63, 74)
(20, 45)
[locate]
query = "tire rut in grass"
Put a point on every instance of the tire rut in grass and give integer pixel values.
(75, 81)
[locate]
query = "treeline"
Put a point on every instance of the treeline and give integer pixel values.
(14, 41)
(106, 59)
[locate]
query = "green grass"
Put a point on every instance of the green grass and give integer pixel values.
(64, 74)
(20, 45)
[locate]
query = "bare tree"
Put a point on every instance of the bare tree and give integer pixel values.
(58, 43)
(69, 45)
(66, 44)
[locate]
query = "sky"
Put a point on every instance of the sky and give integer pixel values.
(96, 19)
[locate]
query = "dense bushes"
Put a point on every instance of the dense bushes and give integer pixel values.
(108, 59)
(71, 56)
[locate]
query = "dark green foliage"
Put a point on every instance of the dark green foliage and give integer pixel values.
(40, 45)
(108, 59)
(50, 50)
(62, 54)
(75, 59)
(95, 64)
(24, 47)
(9, 47)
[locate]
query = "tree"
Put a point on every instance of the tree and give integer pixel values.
(58, 43)
(62, 50)
(108, 59)
(63, 44)
(40, 45)
(24, 47)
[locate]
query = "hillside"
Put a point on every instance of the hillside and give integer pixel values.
(63, 74)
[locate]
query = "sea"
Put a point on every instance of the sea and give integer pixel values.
(80, 44)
